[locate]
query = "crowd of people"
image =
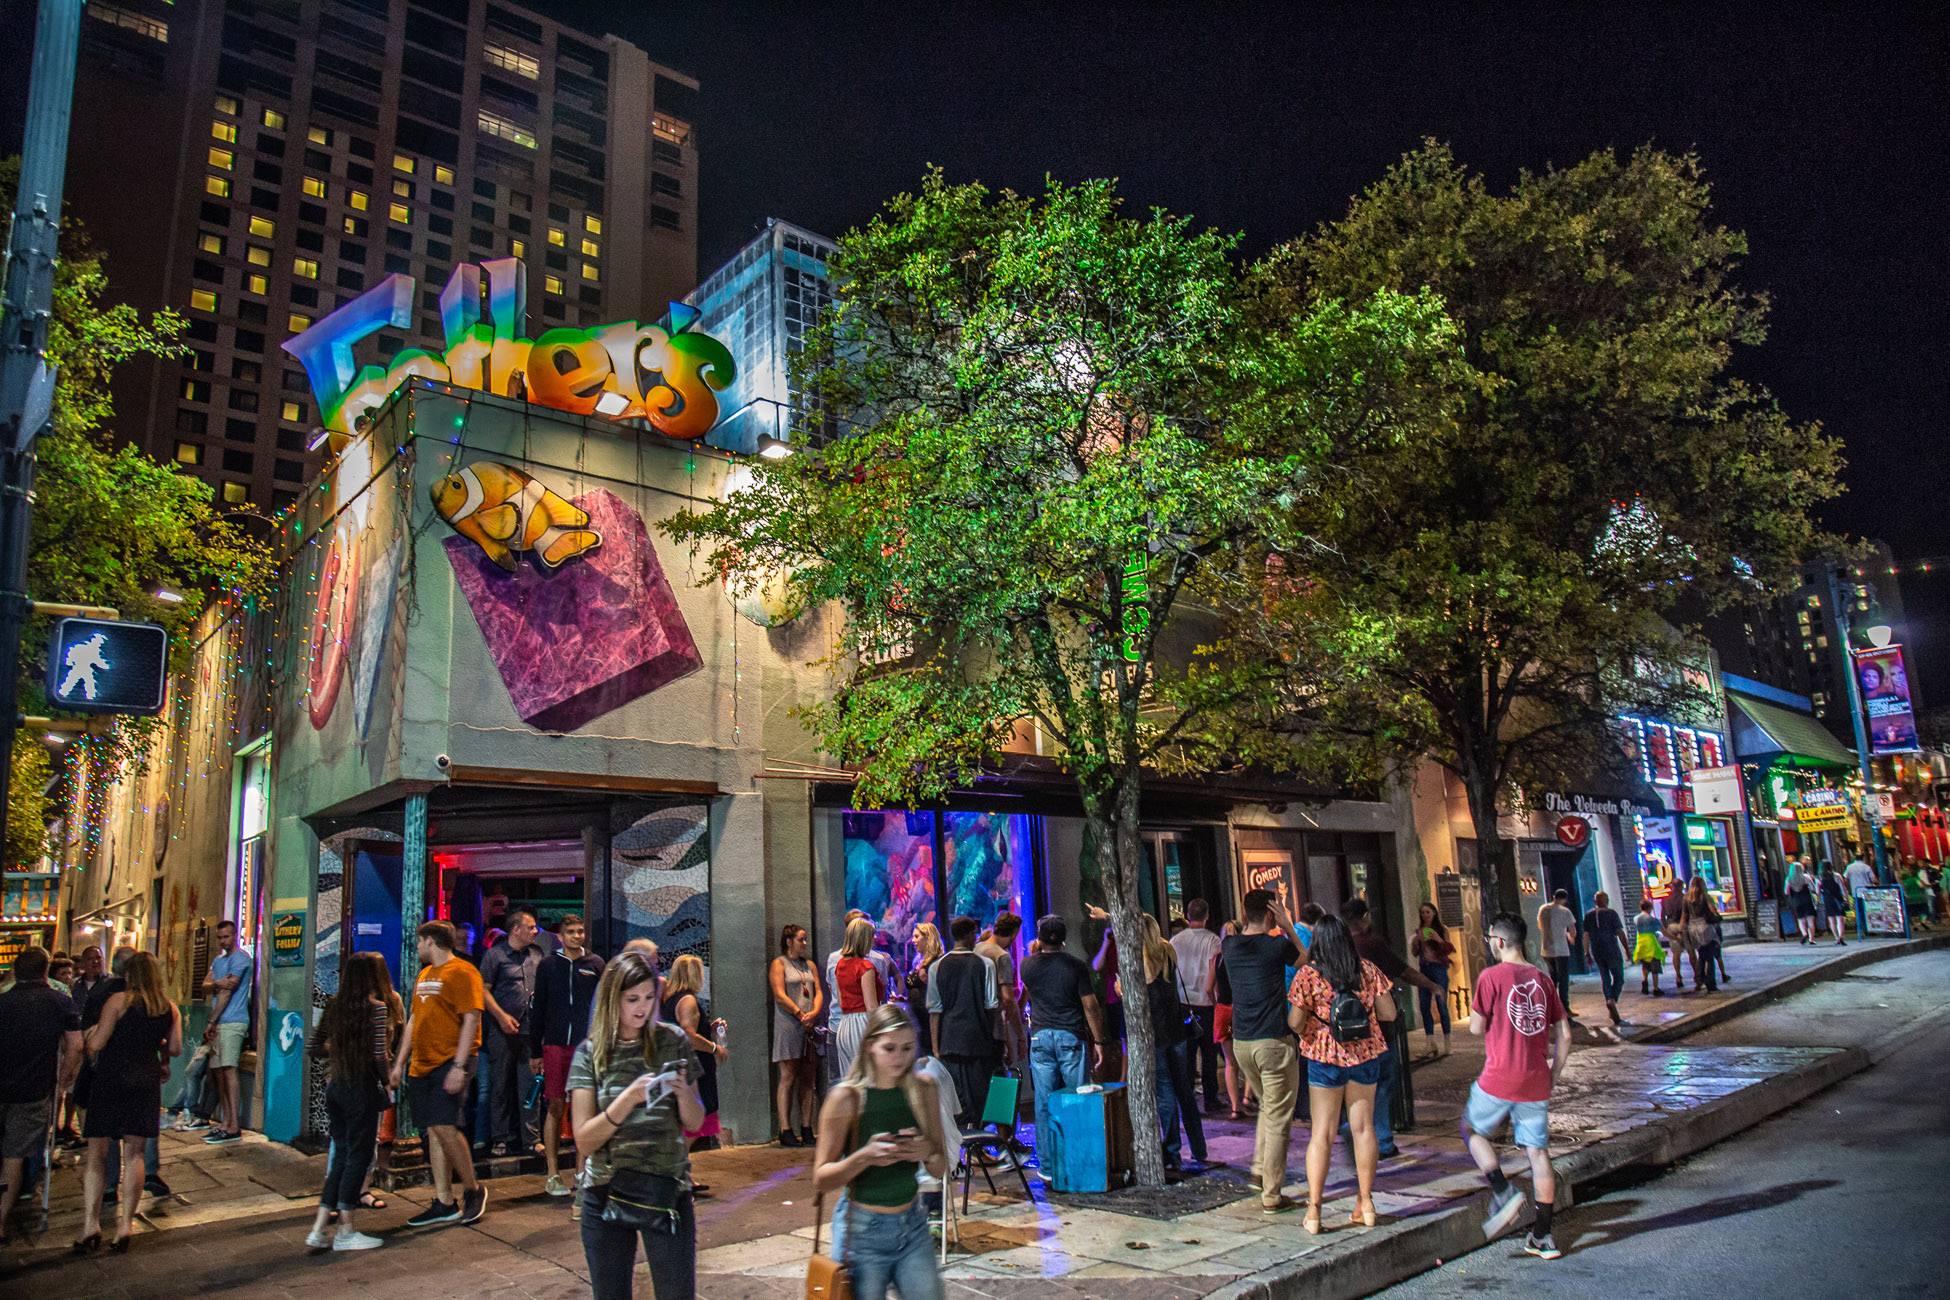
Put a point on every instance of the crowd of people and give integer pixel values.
(532, 1040)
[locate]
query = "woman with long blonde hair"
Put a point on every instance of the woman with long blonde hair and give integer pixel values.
(927, 951)
(683, 993)
(879, 1129)
(139, 1030)
(631, 1101)
(1172, 1050)
(858, 984)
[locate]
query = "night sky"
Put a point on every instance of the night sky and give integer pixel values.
(1823, 132)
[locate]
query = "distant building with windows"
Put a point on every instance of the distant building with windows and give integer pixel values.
(257, 163)
(1789, 643)
(760, 304)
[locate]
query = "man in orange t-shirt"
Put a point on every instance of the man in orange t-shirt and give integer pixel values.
(436, 1060)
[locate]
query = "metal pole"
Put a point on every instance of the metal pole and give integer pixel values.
(1870, 813)
(26, 380)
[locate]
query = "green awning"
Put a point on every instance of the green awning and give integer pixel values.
(1762, 730)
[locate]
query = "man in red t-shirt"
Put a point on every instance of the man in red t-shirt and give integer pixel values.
(1519, 1015)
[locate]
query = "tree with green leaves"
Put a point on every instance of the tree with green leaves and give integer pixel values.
(111, 526)
(1067, 429)
(1502, 581)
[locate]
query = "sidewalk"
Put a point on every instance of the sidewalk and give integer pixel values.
(237, 1215)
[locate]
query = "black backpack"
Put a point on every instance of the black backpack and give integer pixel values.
(1348, 1017)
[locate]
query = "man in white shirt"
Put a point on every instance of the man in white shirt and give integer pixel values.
(1860, 875)
(1195, 946)
(1557, 931)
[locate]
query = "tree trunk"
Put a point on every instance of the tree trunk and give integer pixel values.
(1118, 851)
(1482, 792)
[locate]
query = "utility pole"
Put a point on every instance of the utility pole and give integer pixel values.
(26, 378)
(1870, 812)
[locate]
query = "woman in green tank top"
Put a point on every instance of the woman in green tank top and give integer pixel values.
(878, 1129)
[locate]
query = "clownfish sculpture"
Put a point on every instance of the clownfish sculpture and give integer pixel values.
(503, 510)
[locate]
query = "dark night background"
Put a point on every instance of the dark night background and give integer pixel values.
(1823, 132)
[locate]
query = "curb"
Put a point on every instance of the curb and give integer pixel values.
(1417, 1245)
(1382, 1258)
(1786, 987)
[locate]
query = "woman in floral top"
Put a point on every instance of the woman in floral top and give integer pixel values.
(1339, 1072)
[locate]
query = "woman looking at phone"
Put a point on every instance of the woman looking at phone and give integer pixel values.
(631, 1099)
(880, 1126)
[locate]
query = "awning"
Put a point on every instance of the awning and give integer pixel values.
(1765, 731)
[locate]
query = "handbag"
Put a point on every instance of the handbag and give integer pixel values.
(643, 1202)
(827, 1278)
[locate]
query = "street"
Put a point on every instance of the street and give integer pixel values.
(1828, 1198)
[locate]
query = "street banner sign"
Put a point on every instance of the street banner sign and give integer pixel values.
(104, 666)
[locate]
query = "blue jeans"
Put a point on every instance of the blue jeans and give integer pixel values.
(890, 1250)
(1056, 1060)
(1438, 973)
(1611, 976)
(1175, 1094)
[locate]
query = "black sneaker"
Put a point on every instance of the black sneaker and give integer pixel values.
(155, 1187)
(438, 1212)
(806, 1138)
(1542, 1247)
(473, 1204)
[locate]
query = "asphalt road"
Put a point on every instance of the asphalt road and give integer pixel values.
(1841, 1196)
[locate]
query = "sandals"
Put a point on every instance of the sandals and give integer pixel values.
(367, 1201)
(1363, 1216)
(1312, 1222)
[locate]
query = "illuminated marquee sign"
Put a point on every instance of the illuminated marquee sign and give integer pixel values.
(668, 377)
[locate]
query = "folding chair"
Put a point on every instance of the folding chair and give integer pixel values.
(1000, 1108)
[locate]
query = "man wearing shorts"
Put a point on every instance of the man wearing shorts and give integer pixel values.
(42, 1031)
(436, 1062)
(1520, 1018)
(558, 1020)
(228, 981)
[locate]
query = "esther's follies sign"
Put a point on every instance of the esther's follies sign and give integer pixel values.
(669, 377)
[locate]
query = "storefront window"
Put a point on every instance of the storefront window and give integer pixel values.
(988, 865)
(1658, 856)
(890, 869)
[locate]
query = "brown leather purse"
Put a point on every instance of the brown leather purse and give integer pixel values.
(827, 1279)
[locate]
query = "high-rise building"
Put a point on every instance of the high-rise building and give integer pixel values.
(1791, 642)
(256, 163)
(760, 304)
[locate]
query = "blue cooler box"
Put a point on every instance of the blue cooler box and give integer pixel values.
(1090, 1133)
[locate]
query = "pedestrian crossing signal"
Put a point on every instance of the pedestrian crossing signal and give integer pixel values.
(103, 666)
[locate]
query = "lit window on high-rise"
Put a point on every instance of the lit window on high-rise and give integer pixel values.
(224, 131)
(217, 185)
(510, 59)
(210, 243)
(314, 187)
(552, 283)
(264, 227)
(154, 28)
(357, 199)
(401, 213)
(222, 159)
(257, 255)
(305, 266)
(591, 249)
(502, 129)
(258, 285)
(274, 119)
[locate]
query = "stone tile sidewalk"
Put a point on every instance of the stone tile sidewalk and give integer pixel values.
(237, 1215)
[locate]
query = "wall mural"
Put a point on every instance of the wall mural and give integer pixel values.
(503, 511)
(668, 377)
(988, 861)
(660, 872)
(577, 641)
(890, 870)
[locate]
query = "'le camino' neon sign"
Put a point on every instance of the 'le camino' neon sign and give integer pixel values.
(668, 377)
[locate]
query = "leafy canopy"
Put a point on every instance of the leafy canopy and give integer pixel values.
(1067, 426)
(1505, 567)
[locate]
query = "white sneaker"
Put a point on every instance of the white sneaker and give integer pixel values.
(554, 1186)
(319, 1238)
(352, 1239)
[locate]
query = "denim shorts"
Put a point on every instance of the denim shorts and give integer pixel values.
(1530, 1121)
(1321, 1074)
